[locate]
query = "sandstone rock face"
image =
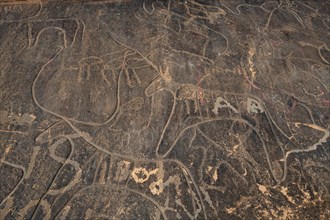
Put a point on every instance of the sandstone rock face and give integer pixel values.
(168, 109)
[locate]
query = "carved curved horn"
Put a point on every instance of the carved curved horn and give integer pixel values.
(36, 29)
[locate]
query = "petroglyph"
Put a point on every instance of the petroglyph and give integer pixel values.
(124, 171)
(213, 173)
(24, 211)
(140, 175)
(157, 187)
(164, 109)
(253, 106)
(222, 103)
(18, 119)
(32, 161)
(8, 205)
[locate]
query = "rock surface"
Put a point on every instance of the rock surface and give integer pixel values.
(196, 109)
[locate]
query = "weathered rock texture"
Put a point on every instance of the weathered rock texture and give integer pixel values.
(134, 109)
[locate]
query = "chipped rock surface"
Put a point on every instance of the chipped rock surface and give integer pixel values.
(164, 109)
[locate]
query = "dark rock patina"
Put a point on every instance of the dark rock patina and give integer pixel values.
(197, 109)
